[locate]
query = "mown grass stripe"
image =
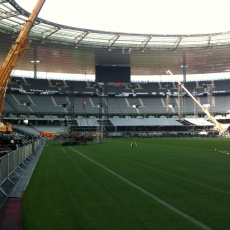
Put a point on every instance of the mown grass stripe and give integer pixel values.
(191, 219)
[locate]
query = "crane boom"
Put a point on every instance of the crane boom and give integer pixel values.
(16, 53)
(219, 126)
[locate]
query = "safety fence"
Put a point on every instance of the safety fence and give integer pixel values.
(10, 162)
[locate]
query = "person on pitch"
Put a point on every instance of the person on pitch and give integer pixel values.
(132, 143)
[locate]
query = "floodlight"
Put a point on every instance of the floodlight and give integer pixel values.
(206, 105)
(136, 106)
(35, 61)
(25, 122)
(171, 106)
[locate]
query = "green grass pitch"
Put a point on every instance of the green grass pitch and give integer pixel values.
(178, 184)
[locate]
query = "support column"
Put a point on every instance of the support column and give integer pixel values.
(35, 62)
(71, 102)
(210, 97)
(184, 68)
(195, 104)
(180, 102)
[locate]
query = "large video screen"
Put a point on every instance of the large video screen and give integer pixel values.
(112, 73)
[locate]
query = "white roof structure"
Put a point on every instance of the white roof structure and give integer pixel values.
(87, 122)
(67, 49)
(144, 122)
(199, 121)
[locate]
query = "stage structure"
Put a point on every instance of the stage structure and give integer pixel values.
(180, 101)
(208, 88)
(71, 100)
(102, 109)
(195, 104)
(221, 129)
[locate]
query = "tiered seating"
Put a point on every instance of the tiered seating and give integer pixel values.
(222, 104)
(7, 107)
(222, 84)
(117, 88)
(45, 104)
(113, 106)
(80, 86)
(53, 104)
(153, 105)
(17, 103)
(41, 84)
(90, 107)
(124, 106)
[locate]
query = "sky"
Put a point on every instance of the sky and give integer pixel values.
(145, 16)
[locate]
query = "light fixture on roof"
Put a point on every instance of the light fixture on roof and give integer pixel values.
(35, 61)
(184, 66)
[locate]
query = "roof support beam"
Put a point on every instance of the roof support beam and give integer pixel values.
(112, 41)
(209, 40)
(5, 14)
(80, 38)
(4, 1)
(18, 27)
(49, 32)
(177, 43)
(145, 42)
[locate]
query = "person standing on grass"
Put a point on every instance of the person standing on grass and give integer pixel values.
(132, 143)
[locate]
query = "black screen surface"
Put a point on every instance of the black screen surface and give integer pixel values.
(112, 73)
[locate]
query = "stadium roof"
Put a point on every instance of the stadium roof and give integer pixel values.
(65, 49)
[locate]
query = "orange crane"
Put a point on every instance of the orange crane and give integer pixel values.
(221, 129)
(14, 56)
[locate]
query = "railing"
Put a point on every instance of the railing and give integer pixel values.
(13, 160)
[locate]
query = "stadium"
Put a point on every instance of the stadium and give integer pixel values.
(179, 126)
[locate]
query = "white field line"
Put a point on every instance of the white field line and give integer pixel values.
(191, 219)
(63, 150)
